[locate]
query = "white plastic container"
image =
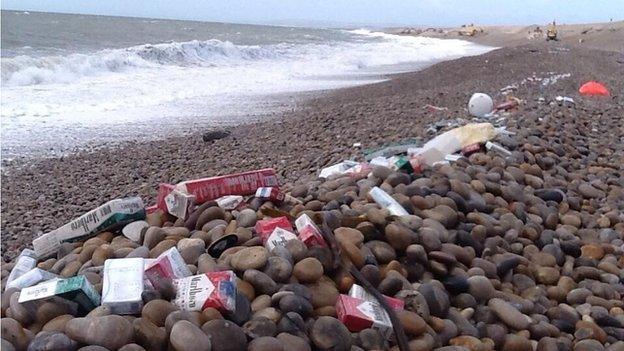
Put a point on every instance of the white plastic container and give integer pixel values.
(386, 201)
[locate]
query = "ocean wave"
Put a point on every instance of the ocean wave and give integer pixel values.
(28, 70)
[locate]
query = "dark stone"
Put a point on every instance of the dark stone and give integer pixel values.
(215, 134)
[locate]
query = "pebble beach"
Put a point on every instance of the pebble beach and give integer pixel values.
(524, 252)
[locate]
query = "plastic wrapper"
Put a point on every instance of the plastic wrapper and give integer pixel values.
(388, 202)
(309, 233)
(337, 169)
(455, 139)
(26, 261)
(114, 213)
(359, 292)
(358, 314)
(30, 278)
(212, 289)
(76, 293)
(168, 266)
(123, 285)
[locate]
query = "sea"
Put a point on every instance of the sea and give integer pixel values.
(72, 82)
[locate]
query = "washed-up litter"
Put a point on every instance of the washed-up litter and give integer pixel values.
(123, 285)
(110, 215)
(433, 108)
(480, 104)
(167, 266)
(212, 188)
(358, 314)
(179, 203)
(212, 289)
(393, 149)
(565, 99)
(265, 227)
(76, 293)
(359, 292)
(456, 139)
(593, 88)
(229, 202)
(508, 89)
(270, 193)
(309, 233)
(497, 148)
(388, 202)
(30, 278)
(26, 261)
(337, 169)
(135, 230)
(279, 237)
(511, 103)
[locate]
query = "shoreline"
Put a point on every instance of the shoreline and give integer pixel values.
(297, 143)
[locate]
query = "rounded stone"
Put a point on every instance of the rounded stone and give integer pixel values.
(279, 269)
(149, 335)
(225, 335)
(191, 249)
(308, 270)
(13, 332)
(328, 333)
(413, 324)
(111, 331)
(250, 258)
(185, 336)
(266, 343)
(247, 218)
(508, 314)
(294, 303)
(481, 287)
(293, 342)
(157, 311)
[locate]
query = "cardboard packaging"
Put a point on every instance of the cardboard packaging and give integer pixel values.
(123, 285)
(270, 193)
(168, 265)
(265, 227)
(75, 292)
(229, 202)
(357, 315)
(309, 233)
(30, 278)
(212, 188)
(112, 214)
(212, 289)
(279, 237)
(179, 204)
(26, 261)
(359, 292)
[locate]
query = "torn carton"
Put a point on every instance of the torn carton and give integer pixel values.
(123, 285)
(229, 202)
(265, 227)
(359, 292)
(212, 289)
(357, 315)
(270, 193)
(179, 203)
(76, 293)
(309, 233)
(167, 266)
(112, 214)
(30, 278)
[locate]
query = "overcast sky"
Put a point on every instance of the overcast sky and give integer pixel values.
(372, 12)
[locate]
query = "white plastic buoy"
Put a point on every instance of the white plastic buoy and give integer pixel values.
(480, 104)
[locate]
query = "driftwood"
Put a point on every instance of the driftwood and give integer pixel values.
(330, 222)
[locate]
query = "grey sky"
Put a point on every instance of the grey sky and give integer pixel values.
(372, 12)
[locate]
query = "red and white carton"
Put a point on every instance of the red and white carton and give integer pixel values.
(212, 289)
(168, 266)
(212, 188)
(264, 228)
(230, 202)
(359, 292)
(279, 237)
(358, 314)
(309, 233)
(270, 193)
(179, 204)
(471, 149)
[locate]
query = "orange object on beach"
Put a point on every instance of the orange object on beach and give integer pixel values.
(593, 88)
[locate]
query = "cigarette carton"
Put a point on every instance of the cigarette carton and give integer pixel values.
(167, 266)
(271, 194)
(279, 237)
(123, 285)
(265, 227)
(75, 292)
(357, 315)
(471, 149)
(359, 292)
(212, 289)
(112, 214)
(229, 202)
(309, 233)
(179, 204)
(30, 278)
(26, 261)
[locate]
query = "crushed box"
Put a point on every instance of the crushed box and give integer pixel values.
(359, 292)
(309, 233)
(167, 266)
(358, 314)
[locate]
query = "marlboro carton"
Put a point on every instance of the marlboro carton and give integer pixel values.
(357, 315)
(169, 265)
(26, 261)
(212, 289)
(265, 227)
(112, 214)
(279, 237)
(75, 292)
(309, 233)
(207, 189)
(30, 278)
(270, 193)
(179, 204)
(359, 292)
(123, 285)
